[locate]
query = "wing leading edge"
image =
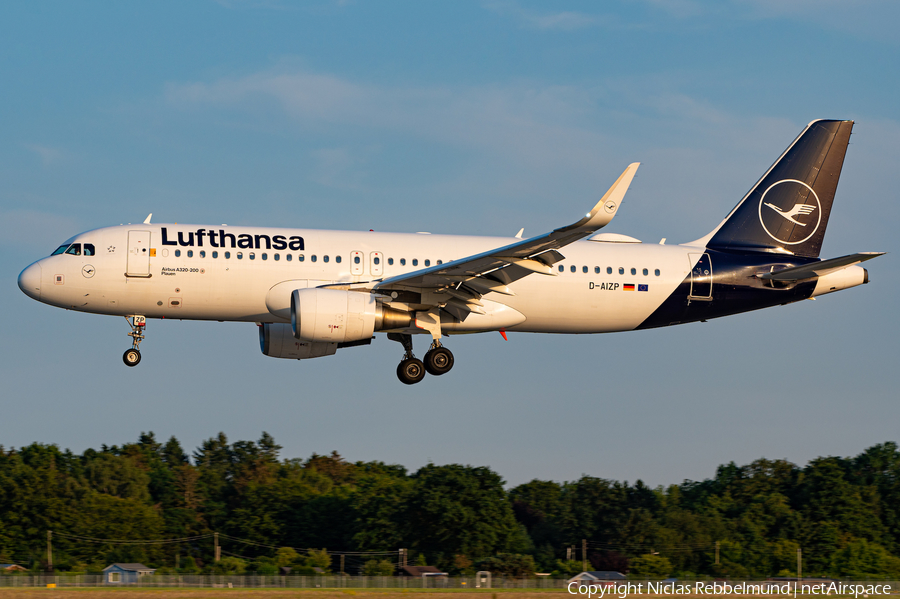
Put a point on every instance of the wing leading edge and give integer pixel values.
(462, 282)
(495, 269)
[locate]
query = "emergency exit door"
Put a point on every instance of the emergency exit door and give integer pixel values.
(701, 277)
(138, 254)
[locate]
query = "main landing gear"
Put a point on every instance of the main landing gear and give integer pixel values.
(132, 357)
(411, 370)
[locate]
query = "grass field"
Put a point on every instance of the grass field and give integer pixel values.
(69, 593)
(133, 593)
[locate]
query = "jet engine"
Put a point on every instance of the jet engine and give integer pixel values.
(338, 316)
(277, 341)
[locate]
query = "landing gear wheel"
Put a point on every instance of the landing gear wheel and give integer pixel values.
(410, 371)
(131, 357)
(438, 361)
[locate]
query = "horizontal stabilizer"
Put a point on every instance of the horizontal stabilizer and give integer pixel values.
(819, 269)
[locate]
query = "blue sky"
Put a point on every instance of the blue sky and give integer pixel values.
(454, 117)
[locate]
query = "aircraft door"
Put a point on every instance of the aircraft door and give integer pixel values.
(356, 263)
(701, 277)
(138, 254)
(377, 266)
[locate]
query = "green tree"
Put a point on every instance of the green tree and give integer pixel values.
(375, 567)
(318, 558)
(861, 559)
(650, 566)
(287, 556)
(511, 565)
(230, 566)
(459, 509)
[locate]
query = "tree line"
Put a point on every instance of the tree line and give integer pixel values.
(746, 521)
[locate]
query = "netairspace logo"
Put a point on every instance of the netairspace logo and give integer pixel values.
(723, 588)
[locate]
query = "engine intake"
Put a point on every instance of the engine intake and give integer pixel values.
(277, 341)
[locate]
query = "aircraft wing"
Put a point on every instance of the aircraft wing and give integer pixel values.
(818, 269)
(462, 282)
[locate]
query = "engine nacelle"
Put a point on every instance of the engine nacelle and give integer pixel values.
(333, 315)
(277, 341)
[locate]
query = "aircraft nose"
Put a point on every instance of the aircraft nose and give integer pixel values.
(30, 281)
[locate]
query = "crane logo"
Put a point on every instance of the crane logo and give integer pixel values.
(792, 213)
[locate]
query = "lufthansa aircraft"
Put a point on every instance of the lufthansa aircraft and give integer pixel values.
(314, 292)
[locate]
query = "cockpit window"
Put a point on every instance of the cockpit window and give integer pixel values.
(89, 249)
(60, 250)
(74, 249)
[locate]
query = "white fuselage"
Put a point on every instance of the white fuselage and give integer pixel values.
(131, 272)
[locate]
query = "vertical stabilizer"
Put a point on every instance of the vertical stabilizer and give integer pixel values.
(788, 209)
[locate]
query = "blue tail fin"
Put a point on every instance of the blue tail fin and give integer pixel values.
(788, 209)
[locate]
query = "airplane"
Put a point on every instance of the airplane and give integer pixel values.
(312, 292)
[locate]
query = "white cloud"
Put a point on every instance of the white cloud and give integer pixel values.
(534, 123)
(47, 154)
(532, 19)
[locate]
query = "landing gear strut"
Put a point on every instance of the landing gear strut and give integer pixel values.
(410, 370)
(438, 360)
(132, 357)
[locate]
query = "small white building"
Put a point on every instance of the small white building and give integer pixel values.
(125, 573)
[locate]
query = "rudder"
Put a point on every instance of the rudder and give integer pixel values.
(788, 208)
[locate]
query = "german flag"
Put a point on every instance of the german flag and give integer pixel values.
(628, 287)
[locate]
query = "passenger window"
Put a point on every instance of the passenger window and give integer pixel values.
(584, 269)
(240, 255)
(215, 254)
(227, 255)
(190, 253)
(621, 271)
(415, 261)
(313, 258)
(252, 255)
(562, 268)
(89, 249)
(60, 250)
(178, 253)
(376, 260)
(277, 257)
(390, 261)
(646, 272)
(656, 272)
(634, 271)
(609, 270)
(324, 258)
(440, 261)
(356, 259)
(301, 258)
(203, 253)
(287, 257)
(427, 262)
(572, 268)
(402, 261)
(337, 259)
(265, 256)
(597, 270)
(74, 249)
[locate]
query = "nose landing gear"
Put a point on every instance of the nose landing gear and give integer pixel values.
(132, 357)
(411, 370)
